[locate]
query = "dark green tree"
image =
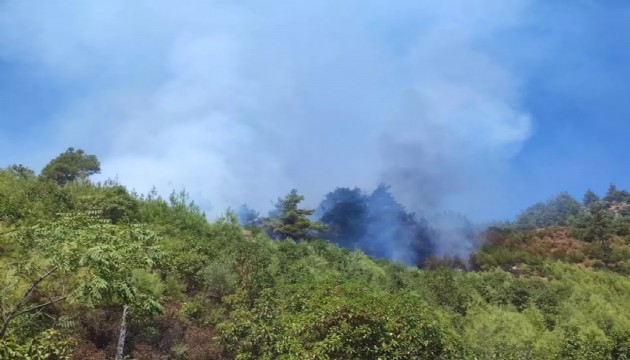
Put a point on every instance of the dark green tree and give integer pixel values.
(293, 222)
(615, 195)
(21, 171)
(345, 213)
(589, 198)
(611, 194)
(558, 211)
(600, 227)
(70, 166)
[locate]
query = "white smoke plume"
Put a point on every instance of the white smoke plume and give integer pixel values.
(241, 101)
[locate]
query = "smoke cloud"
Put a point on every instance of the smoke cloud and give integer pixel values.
(239, 102)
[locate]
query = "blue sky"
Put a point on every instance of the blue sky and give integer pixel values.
(577, 97)
(484, 107)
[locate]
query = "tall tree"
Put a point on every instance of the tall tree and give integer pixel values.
(292, 221)
(589, 198)
(600, 226)
(615, 195)
(70, 166)
(375, 223)
(392, 232)
(345, 213)
(611, 193)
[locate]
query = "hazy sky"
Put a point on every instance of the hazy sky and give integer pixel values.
(482, 107)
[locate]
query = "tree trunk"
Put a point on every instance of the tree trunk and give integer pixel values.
(120, 349)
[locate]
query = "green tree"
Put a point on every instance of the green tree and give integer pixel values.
(21, 171)
(293, 222)
(589, 198)
(600, 227)
(70, 166)
(559, 211)
(83, 258)
(615, 195)
(611, 194)
(110, 200)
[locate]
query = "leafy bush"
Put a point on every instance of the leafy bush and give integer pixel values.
(48, 345)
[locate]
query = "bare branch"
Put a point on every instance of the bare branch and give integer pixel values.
(51, 302)
(27, 294)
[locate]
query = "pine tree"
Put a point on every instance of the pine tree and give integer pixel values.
(293, 222)
(589, 198)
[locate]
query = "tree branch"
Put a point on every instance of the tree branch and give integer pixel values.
(27, 294)
(52, 301)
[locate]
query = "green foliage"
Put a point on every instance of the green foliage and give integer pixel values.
(179, 216)
(558, 211)
(330, 321)
(220, 279)
(589, 198)
(83, 258)
(585, 344)
(21, 171)
(447, 289)
(615, 195)
(494, 332)
(112, 201)
(492, 256)
(599, 224)
(49, 345)
(72, 256)
(29, 199)
(293, 222)
(71, 165)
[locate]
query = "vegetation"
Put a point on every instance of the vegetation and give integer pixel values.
(92, 271)
(288, 221)
(70, 166)
(559, 211)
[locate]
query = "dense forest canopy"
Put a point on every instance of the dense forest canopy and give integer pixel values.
(94, 271)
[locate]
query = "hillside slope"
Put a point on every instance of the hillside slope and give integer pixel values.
(78, 259)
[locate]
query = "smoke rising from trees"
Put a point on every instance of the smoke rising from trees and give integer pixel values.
(375, 223)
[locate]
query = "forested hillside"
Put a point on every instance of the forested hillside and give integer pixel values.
(94, 271)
